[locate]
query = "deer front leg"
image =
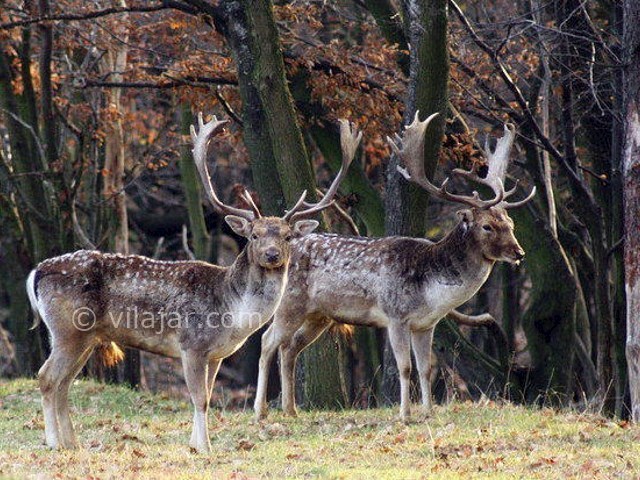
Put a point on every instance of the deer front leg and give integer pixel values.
(214, 366)
(195, 374)
(303, 337)
(270, 343)
(421, 342)
(400, 340)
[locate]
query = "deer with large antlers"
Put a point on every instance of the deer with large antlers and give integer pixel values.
(192, 310)
(403, 284)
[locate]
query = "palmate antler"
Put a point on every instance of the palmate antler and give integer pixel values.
(350, 138)
(498, 163)
(200, 139)
(410, 151)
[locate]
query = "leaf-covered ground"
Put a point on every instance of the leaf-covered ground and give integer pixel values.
(129, 434)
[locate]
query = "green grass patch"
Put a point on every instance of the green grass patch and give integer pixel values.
(129, 434)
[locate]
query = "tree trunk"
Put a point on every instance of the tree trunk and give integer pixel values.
(113, 64)
(405, 203)
(549, 322)
(631, 175)
(616, 232)
(279, 160)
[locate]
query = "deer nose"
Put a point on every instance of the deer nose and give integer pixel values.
(272, 255)
(519, 254)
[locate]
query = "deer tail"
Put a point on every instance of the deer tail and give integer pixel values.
(32, 293)
(109, 354)
(342, 329)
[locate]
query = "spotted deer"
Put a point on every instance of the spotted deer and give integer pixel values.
(192, 310)
(403, 284)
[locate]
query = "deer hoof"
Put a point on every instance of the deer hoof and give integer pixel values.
(201, 449)
(292, 412)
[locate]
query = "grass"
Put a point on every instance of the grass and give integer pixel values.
(129, 434)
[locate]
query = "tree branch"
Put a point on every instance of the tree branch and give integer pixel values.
(73, 17)
(574, 178)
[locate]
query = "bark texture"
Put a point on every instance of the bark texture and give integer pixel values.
(279, 159)
(405, 204)
(631, 175)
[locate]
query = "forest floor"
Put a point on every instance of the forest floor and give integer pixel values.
(129, 434)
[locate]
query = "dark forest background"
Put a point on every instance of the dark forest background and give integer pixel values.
(95, 103)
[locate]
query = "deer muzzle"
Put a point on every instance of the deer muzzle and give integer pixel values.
(272, 258)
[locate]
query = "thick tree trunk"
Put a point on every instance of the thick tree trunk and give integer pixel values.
(30, 213)
(426, 24)
(549, 322)
(616, 226)
(631, 175)
(279, 160)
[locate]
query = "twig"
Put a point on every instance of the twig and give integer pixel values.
(575, 179)
(185, 243)
(165, 5)
(31, 130)
(615, 247)
(202, 82)
(599, 177)
(227, 108)
(342, 214)
(158, 250)
(79, 231)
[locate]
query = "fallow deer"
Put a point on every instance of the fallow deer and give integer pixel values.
(192, 310)
(403, 284)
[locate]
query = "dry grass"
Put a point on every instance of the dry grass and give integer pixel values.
(128, 434)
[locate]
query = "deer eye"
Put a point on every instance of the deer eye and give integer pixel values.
(254, 236)
(487, 228)
(288, 238)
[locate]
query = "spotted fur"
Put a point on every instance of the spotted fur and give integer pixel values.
(404, 284)
(192, 310)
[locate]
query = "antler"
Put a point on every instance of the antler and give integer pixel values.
(410, 150)
(498, 163)
(200, 141)
(349, 140)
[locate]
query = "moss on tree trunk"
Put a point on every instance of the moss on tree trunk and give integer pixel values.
(279, 160)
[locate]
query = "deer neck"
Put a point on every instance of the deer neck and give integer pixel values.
(249, 283)
(458, 257)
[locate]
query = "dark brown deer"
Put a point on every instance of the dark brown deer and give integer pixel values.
(403, 284)
(192, 310)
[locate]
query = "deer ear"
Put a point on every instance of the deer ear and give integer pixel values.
(240, 225)
(304, 227)
(466, 216)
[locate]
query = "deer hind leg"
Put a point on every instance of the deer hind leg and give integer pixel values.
(421, 343)
(214, 366)
(195, 365)
(65, 354)
(400, 340)
(304, 336)
(66, 431)
(272, 338)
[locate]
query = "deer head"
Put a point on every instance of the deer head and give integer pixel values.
(269, 237)
(487, 221)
